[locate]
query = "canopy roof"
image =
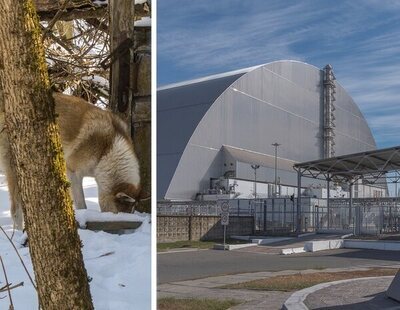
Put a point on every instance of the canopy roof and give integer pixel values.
(371, 166)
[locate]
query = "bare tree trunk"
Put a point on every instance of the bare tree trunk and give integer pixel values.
(121, 72)
(141, 112)
(38, 161)
(130, 85)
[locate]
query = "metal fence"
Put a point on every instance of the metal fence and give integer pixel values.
(375, 215)
(278, 215)
(188, 208)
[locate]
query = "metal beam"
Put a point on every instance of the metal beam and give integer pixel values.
(328, 195)
(350, 201)
(298, 226)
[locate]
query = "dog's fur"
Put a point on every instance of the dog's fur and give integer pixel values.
(96, 143)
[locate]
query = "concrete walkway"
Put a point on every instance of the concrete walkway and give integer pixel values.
(364, 294)
(210, 288)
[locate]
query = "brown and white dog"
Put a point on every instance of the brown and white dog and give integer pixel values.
(96, 143)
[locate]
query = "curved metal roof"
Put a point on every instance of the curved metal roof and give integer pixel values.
(248, 109)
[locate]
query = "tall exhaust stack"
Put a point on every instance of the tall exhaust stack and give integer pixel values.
(329, 108)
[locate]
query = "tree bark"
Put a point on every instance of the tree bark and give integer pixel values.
(38, 161)
(121, 71)
(130, 85)
(141, 112)
(47, 9)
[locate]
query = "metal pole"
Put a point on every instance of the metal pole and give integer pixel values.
(255, 183)
(328, 194)
(276, 168)
(357, 229)
(284, 212)
(265, 215)
(224, 237)
(350, 201)
(298, 226)
(255, 167)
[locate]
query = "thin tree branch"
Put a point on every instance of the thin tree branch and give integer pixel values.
(20, 258)
(8, 285)
(56, 17)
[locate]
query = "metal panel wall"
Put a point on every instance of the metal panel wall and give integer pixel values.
(277, 102)
(179, 110)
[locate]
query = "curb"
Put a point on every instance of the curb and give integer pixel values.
(296, 300)
(307, 234)
(231, 247)
(265, 241)
(323, 245)
(293, 251)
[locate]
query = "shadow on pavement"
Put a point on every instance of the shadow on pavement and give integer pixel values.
(370, 254)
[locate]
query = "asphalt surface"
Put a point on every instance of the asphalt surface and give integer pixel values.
(180, 266)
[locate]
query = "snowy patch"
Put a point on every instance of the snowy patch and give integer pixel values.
(143, 22)
(97, 79)
(119, 265)
(105, 2)
(84, 216)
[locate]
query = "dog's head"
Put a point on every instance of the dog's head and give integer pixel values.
(122, 198)
(126, 197)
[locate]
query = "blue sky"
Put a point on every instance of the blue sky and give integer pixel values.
(361, 39)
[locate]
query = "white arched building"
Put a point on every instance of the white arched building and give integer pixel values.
(211, 130)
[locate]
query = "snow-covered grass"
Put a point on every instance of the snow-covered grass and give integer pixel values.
(119, 265)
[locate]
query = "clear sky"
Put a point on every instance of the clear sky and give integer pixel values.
(360, 38)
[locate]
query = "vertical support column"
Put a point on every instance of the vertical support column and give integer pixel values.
(284, 212)
(357, 228)
(350, 201)
(328, 194)
(298, 226)
(273, 211)
(265, 215)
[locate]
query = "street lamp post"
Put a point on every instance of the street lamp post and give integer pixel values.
(255, 167)
(276, 168)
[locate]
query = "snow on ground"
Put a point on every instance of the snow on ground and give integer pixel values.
(143, 22)
(119, 265)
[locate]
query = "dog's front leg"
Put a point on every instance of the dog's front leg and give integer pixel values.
(77, 189)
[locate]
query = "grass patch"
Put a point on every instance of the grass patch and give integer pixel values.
(298, 281)
(194, 304)
(165, 246)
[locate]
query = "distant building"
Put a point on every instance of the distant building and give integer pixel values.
(210, 132)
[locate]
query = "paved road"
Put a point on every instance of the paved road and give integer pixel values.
(206, 263)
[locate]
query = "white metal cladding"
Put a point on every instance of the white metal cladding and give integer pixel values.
(277, 102)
